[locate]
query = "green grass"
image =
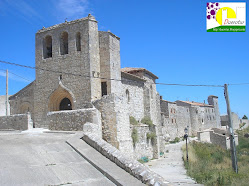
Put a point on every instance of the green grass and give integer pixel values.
(209, 164)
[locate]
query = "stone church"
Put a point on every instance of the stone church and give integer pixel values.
(79, 85)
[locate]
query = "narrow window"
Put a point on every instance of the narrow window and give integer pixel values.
(47, 47)
(175, 120)
(172, 120)
(104, 88)
(151, 91)
(64, 43)
(78, 41)
(127, 95)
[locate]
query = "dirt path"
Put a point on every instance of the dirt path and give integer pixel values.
(171, 166)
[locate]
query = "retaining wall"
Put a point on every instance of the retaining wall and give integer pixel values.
(74, 120)
(15, 122)
(135, 168)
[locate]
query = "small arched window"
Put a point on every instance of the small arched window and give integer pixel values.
(78, 41)
(64, 43)
(47, 47)
(127, 95)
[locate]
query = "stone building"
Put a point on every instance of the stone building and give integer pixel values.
(79, 83)
(176, 116)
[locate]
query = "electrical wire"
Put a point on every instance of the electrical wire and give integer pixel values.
(87, 76)
(17, 75)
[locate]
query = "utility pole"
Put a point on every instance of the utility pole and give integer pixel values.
(230, 124)
(7, 99)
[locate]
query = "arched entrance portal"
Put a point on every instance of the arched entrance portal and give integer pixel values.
(61, 99)
(65, 104)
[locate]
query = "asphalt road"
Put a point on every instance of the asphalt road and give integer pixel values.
(44, 159)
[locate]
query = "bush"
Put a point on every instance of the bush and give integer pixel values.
(151, 135)
(133, 121)
(176, 140)
(134, 136)
(146, 120)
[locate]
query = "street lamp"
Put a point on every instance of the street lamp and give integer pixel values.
(186, 137)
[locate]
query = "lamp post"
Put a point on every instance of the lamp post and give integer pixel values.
(186, 137)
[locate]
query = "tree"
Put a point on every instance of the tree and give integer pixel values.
(245, 117)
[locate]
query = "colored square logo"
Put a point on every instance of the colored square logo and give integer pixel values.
(226, 17)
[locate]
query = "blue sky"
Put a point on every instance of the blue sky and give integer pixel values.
(168, 38)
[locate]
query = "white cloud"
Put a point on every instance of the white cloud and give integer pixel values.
(21, 8)
(14, 77)
(72, 9)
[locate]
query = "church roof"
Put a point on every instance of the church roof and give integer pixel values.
(133, 70)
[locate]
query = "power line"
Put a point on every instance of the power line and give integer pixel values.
(188, 85)
(239, 84)
(21, 77)
(87, 76)
(17, 75)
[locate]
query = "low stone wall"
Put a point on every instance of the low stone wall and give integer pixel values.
(74, 120)
(15, 122)
(218, 139)
(135, 168)
(143, 147)
(216, 136)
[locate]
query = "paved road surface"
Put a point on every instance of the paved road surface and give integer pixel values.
(171, 167)
(44, 159)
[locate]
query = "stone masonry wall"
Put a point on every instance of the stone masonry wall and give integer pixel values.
(134, 99)
(106, 106)
(84, 63)
(23, 101)
(74, 120)
(15, 122)
(109, 51)
(143, 148)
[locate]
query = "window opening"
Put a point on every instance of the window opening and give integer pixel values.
(104, 88)
(47, 47)
(64, 43)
